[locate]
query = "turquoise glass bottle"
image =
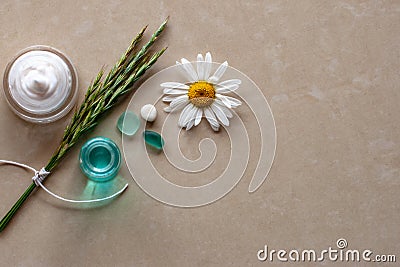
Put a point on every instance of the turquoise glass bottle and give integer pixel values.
(100, 159)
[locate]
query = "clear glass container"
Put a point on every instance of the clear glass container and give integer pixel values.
(40, 84)
(100, 159)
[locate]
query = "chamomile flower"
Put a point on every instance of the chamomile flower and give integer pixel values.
(202, 95)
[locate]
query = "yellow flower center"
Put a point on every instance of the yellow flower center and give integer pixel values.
(201, 94)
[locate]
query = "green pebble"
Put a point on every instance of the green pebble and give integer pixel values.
(153, 139)
(128, 123)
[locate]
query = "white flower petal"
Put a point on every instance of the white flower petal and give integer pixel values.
(233, 102)
(190, 124)
(200, 67)
(216, 129)
(199, 115)
(174, 85)
(179, 101)
(228, 86)
(187, 66)
(183, 71)
(209, 114)
(219, 102)
(169, 91)
(185, 113)
(207, 66)
(218, 73)
(226, 89)
(190, 116)
(224, 100)
(169, 98)
(208, 57)
(231, 81)
(226, 110)
(179, 106)
(220, 114)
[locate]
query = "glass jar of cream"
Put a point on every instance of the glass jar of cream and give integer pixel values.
(40, 84)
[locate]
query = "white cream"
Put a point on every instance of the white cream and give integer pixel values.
(39, 82)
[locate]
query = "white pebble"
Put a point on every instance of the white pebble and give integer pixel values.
(148, 112)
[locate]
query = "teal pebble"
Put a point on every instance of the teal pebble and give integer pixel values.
(128, 123)
(153, 139)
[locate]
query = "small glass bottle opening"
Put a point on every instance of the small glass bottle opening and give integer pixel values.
(100, 159)
(40, 84)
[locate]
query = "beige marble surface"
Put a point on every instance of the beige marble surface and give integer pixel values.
(330, 71)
